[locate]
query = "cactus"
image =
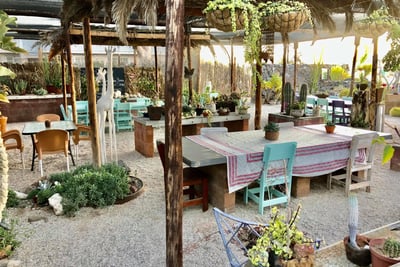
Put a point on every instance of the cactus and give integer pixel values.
(303, 93)
(353, 220)
(391, 248)
(287, 97)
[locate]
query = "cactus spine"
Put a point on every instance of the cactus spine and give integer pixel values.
(391, 248)
(353, 220)
(287, 97)
(303, 93)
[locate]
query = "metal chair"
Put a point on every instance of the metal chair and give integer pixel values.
(274, 154)
(230, 228)
(192, 177)
(48, 117)
(339, 114)
(359, 166)
(12, 139)
(51, 141)
(82, 133)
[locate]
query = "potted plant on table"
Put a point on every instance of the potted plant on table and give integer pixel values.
(330, 127)
(297, 109)
(283, 243)
(271, 130)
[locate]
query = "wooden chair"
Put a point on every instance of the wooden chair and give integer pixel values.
(67, 115)
(192, 177)
(12, 139)
(82, 133)
(323, 103)
(358, 171)
(284, 153)
(82, 112)
(123, 116)
(339, 114)
(230, 228)
(310, 105)
(51, 141)
(48, 117)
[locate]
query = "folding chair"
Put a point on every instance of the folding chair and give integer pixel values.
(359, 165)
(230, 229)
(273, 155)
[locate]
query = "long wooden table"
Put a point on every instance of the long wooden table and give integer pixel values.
(222, 156)
(144, 128)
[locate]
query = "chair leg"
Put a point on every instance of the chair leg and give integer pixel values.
(67, 163)
(246, 195)
(329, 181)
(41, 167)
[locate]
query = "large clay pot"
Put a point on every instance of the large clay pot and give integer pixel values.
(362, 256)
(378, 259)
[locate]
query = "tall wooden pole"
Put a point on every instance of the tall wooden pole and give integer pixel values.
(285, 39)
(189, 60)
(173, 130)
(87, 46)
(72, 78)
(353, 67)
(372, 97)
(257, 112)
(296, 46)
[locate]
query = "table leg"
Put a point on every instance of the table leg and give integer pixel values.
(33, 151)
(70, 153)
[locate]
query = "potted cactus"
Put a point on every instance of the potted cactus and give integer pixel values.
(384, 251)
(330, 127)
(271, 130)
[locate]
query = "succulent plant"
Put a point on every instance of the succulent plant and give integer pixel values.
(391, 248)
(271, 127)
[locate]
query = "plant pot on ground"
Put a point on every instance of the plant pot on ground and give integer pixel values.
(384, 252)
(360, 256)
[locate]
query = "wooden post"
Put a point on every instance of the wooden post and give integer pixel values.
(372, 96)
(72, 79)
(296, 46)
(285, 40)
(173, 131)
(87, 45)
(353, 67)
(156, 72)
(189, 60)
(64, 81)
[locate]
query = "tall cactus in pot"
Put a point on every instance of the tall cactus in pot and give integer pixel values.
(303, 93)
(353, 220)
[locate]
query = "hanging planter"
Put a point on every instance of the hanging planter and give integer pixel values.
(222, 20)
(283, 16)
(376, 24)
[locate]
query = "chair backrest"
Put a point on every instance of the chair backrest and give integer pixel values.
(82, 133)
(48, 117)
(280, 151)
(230, 228)
(338, 107)
(363, 144)
(161, 151)
(12, 139)
(52, 141)
(213, 130)
(64, 113)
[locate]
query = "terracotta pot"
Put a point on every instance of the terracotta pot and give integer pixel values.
(378, 259)
(330, 129)
(360, 257)
(395, 160)
(3, 124)
(272, 135)
(155, 113)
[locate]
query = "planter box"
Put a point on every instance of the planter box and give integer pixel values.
(278, 117)
(26, 108)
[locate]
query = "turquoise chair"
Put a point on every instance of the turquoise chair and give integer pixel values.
(82, 110)
(310, 105)
(323, 103)
(122, 116)
(285, 153)
(64, 114)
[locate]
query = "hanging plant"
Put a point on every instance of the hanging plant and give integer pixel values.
(284, 16)
(235, 15)
(376, 24)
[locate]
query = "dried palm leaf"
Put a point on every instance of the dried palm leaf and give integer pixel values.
(122, 9)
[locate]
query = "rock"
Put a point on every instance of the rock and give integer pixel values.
(14, 263)
(32, 219)
(55, 203)
(21, 195)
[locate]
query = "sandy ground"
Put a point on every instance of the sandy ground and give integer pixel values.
(133, 234)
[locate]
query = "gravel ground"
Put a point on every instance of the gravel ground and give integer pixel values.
(133, 234)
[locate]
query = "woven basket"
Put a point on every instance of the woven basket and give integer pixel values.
(221, 20)
(370, 30)
(285, 22)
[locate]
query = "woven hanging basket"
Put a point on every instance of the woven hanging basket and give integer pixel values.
(285, 22)
(221, 20)
(371, 29)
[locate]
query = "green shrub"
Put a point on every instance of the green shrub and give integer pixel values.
(8, 239)
(344, 92)
(395, 112)
(12, 200)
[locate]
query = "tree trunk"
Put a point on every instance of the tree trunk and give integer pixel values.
(3, 177)
(173, 131)
(87, 42)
